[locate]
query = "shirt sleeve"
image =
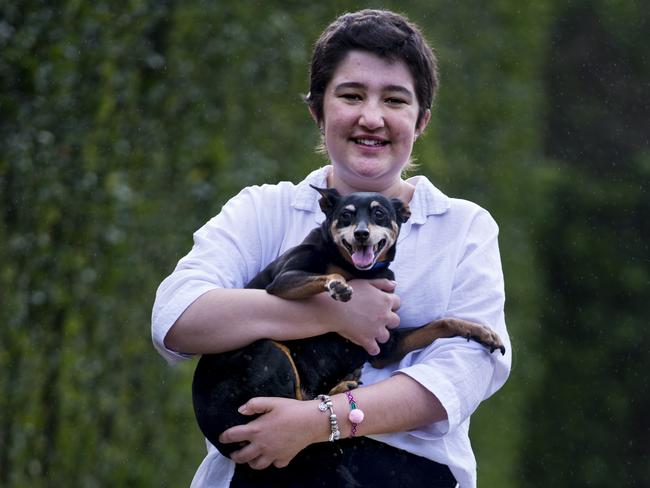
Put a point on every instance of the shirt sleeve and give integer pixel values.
(458, 372)
(226, 253)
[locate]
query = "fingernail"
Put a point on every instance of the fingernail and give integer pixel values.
(242, 409)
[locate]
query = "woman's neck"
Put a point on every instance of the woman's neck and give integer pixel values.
(400, 188)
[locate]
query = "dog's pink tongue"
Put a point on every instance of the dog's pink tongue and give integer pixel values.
(363, 257)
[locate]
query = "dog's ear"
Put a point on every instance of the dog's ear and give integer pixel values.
(329, 199)
(401, 209)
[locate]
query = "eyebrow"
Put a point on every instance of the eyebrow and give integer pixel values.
(357, 85)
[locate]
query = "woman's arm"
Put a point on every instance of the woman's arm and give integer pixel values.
(226, 319)
(445, 382)
(396, 404)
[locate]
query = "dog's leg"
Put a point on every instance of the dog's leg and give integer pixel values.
(407, 340)
(350, 382)
(294, 285)
(344, 386)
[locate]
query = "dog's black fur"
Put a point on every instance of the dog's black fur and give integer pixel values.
(356, 240)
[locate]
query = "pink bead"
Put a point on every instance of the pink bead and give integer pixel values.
(356, 416)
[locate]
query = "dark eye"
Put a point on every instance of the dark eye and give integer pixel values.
(351, 97)
(395, 101)
(345, 218)
(380, 215)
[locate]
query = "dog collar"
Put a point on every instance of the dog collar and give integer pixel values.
(380, 265)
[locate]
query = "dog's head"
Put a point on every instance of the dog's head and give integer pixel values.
(364, 226)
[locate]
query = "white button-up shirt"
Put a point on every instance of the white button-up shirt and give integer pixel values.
(447, 265)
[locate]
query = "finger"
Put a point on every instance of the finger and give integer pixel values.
(396, 302)
(245, 454)
(254, 406)
(393, 321)
(371, 347)
(261, 462)
(384, 285)
(280, 464)
(238, 433)
(383, 336)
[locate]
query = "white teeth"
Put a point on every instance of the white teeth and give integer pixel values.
(369, 142)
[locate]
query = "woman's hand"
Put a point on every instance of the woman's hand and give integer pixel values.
(285, 428)
(368, 316)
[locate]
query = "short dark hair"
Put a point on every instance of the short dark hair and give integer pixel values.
(381, 32)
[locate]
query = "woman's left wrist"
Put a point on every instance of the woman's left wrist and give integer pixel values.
(342, 409)
(348, 417)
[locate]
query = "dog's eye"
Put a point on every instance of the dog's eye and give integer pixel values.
(345, 218)
(379, 215)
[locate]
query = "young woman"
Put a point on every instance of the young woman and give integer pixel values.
(373, 79)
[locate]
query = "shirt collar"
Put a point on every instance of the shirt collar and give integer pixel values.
(306, 198)
(427, 199)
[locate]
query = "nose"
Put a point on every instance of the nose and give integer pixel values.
(372, 116)
(361, 233)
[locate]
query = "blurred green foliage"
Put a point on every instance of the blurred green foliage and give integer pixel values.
(124, 127)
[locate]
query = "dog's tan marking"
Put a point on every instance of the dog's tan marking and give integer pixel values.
(329, 278)
(339, 235)
(334, 269)
(420, 337)
(379, 232)
(343, 386)
(311, 286)
(351, 208)
(374, 204)
(287, 353)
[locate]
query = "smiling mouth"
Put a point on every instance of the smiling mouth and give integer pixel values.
(369, 142)
(364, 256)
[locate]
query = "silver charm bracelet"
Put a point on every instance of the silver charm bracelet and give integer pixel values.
(326, 404)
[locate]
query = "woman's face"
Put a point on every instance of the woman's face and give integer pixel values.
(370, 112)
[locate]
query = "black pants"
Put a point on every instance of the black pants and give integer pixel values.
(350, 463)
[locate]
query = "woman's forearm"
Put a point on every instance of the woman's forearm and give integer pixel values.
(396, 404)
(226, 319)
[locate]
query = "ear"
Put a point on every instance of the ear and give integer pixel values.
(401, 209)
(314, 116)
(329, 199)
(423, 123)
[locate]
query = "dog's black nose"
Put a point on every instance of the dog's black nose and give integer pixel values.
(361, 234)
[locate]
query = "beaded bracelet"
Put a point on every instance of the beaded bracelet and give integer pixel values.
(326, 404)
(356, 415)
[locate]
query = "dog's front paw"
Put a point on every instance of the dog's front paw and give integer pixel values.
(487, 337)
(339, 290)
(344, 386)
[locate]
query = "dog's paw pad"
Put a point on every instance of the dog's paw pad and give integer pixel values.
(339, 290)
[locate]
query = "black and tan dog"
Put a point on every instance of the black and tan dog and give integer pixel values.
(356, 240)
